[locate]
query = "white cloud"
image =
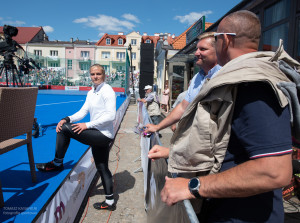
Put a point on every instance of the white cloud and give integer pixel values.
(131, 17)
(12, 23)
(109, 24)
(48, 29)
(80, 20)
(192, 17)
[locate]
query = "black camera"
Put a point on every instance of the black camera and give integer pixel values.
(9, 45)
(7, 48)
(10, 31)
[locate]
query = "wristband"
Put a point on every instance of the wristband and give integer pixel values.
(67, 119)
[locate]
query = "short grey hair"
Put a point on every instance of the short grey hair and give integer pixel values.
(100, 66)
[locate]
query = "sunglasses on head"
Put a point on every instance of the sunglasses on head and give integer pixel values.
(218, 34)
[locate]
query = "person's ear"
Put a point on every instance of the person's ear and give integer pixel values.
(230, 40)
(226, 42)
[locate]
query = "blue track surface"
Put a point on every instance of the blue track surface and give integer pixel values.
(24, 199)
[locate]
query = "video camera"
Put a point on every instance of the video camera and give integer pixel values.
(9, 45)
(7, 48)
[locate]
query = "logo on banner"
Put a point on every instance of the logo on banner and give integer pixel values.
(81, 179)
(59, 210)
(90, 171)
(80, 186)
(72, 88)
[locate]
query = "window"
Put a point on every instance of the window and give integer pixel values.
(105, 55)
(133, 56)
(276, 25)
(120, 41)
(120, 68)
(69, 64)
(37, 52)
(133, 42)
(53, 53)
(276, 12)
(271, 37)
(85, 54)
(84, 66)
(120, 55)
(108, 41)
(148, 41)
(106, 68)
(53, 64)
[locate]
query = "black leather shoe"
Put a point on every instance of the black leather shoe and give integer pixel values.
(49, 167)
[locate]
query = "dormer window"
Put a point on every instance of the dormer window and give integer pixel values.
(120, 41)
(108, 41)
(148, 40)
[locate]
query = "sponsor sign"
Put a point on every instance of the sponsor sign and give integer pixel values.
(195, 30)
(72, 88)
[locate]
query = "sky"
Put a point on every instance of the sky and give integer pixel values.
(90, 19)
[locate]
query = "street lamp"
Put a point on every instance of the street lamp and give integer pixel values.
(132, 80)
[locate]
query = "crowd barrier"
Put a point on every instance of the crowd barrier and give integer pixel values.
(154, 180)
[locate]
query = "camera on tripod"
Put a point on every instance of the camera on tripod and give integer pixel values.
(8, 47)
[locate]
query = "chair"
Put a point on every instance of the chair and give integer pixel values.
(17, 107)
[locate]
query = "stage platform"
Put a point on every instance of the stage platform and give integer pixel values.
(54, 194)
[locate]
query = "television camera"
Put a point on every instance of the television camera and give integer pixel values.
(8, 47)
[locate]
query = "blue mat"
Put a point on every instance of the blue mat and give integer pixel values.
(24, 199)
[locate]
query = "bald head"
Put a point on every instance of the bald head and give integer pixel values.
(246, 25)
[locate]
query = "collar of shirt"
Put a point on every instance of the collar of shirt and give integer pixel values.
(211, 72)
(98, 87)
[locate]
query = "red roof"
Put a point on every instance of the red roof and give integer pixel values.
(25, 34)
(154, 39)
(114, 40)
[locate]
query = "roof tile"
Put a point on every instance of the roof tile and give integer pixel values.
(114, 40)
(25, 34)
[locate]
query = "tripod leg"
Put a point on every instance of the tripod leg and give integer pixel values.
(1, 71)
(19, 76)
(6, 77)
(14, 78)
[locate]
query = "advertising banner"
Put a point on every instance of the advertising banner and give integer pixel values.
(154, 180)
(67, 201)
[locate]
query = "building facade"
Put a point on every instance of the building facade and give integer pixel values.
(280, 19)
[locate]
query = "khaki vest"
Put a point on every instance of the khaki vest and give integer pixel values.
(201, 138)
(153, 107)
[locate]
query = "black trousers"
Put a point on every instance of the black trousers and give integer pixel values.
(100, 149)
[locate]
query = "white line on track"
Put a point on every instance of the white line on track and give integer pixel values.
(59, 103)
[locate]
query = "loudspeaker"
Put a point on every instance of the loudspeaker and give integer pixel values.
(147, 67)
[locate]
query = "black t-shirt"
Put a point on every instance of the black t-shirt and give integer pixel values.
(260, 128)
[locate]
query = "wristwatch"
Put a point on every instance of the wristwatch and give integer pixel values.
(194, 185)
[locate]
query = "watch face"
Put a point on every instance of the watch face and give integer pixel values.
(194, 183)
